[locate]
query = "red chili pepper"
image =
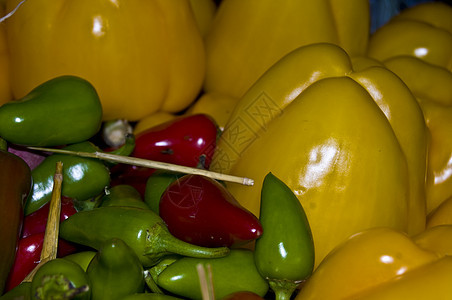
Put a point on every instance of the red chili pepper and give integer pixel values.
(187, 140)
(36, 222)
(201, 211)
(28, 255)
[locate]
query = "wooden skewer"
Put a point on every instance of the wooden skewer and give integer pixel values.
(50, 244)
(151, 164)
(206, 281)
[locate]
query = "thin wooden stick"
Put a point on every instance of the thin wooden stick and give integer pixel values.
(151, 164)
(206, 281)
(50, 244)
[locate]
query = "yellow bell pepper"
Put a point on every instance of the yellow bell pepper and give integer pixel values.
(417, 46)
(218, 106)
(423, 31)
(383, 263)
(247, 37)
(442, 215)
(351, 145)
(204, 11)
(141, 56)
(5, 86)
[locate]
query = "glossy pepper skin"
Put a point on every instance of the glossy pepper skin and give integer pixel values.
(159, 67)
(235, 62)
(156, 185)
(201, 211)
(123, 195)
(37, 221)
(186, 140)
(422, 31)
(381, 263)
(60, 278)
(284, 254)
(115, 271)
(424, 62)
(51, 114)
(232, 273)
(83, 177)
(28, 256)
(357, 172)
(141, 229)
(15, 186)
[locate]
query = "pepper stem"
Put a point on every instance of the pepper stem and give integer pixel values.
(160, 243)
(283, 289)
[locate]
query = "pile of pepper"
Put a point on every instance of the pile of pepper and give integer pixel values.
(345, 133)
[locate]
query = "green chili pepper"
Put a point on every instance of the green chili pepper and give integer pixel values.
(142, 229)
(60, 279)
(83, 178)
(63, 110)
(156, 186)
(19, 292)
(150, 296)
(284, 254)
(232, 273)
(115, 271)
(123, 195)
(82, 258)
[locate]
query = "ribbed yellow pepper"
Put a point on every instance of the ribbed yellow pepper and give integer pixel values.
(141, 56)
(383, 263)
(247, 37)
(5, 87)
(417, 46)
(423, 31)
(351, 145)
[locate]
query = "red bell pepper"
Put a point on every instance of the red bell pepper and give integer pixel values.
(201, 211)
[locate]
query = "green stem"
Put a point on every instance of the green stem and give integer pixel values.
(283, 289)
(161, 242)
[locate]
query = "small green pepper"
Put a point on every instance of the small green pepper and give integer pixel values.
(83, 178)
(60, 279)
(63, 110)
(232, 273)
(142, 229)
(150, 296)
(123, 195)
(284, 254)
(156, 186)
(115, 271)
(82, 258)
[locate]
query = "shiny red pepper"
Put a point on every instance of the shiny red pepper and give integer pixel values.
(188, 140)
(201, 211)
(28, 255)
(37, 221)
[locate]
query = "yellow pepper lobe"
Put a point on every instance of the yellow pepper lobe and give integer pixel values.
(365, 262)
(336, 150)
(141, 56)
(247, 37)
